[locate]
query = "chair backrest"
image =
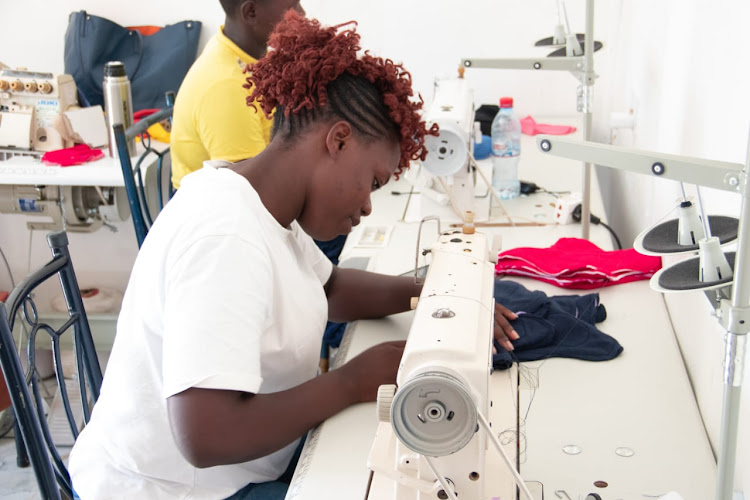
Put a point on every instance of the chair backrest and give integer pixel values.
(148, 189)
(33, 433)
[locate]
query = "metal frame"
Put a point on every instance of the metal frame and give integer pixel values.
(32, 432)
(582, 68)
(734, 313)
(142, 215)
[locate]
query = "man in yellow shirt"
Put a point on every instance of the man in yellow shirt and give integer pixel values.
(211, 120)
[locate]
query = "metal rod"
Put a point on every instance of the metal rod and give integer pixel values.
(588, 83)
(734, 351)
(704, 219)
(586, 182)
(441, 479)
(727, 454)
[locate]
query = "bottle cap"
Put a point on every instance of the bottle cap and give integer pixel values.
(114, 68)
(506, 102)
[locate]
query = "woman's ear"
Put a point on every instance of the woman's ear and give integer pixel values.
(338, 138)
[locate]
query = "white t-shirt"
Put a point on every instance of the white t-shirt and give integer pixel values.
(222, 297)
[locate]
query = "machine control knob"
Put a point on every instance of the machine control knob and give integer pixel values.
(385, 398)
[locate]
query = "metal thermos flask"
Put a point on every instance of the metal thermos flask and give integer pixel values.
(118, 103)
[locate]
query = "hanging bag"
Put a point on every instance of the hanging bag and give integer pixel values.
(154, 63)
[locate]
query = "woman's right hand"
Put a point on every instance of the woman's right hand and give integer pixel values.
(374, 367)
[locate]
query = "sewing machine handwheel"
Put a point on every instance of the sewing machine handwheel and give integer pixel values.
(434, 414)
(593, 496)
(385, 398)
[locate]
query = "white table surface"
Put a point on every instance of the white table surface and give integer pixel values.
(641, 400)
(29, 171)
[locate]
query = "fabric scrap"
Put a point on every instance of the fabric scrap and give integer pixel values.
(577, 263)
(556, 326)
(77, 155)
(529, 126)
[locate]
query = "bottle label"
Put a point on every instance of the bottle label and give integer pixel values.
(504, 149)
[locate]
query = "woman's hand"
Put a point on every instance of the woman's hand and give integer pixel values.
(374, 367)
(504, 332)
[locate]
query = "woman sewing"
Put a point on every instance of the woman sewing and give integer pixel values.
(212, 378)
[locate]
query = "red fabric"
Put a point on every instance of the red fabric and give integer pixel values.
(4, 396)
(145, 30)
(142, 113)
(77, 155)
(577, 263)
(529, 126)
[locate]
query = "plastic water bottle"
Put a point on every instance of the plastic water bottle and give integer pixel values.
(506, 151)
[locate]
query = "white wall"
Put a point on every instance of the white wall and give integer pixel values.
(32, 36)
(429, 37)
(679, 64)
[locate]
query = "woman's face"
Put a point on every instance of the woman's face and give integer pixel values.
(339, 196)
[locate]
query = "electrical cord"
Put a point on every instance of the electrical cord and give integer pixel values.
(596, 220)
(7, 268)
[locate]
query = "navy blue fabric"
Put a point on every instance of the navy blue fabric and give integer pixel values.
(559, 326)
(332, 248)
(272, 490)
(334, 332)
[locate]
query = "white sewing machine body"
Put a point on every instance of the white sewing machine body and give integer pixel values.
(445, 175)
(30, 102)
(442, 380)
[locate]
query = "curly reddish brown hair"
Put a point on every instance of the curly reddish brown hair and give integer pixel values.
(315, 73)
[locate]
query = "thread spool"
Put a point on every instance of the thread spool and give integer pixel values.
(4, 85)
(31, 86)
(468, 227)
(16, 86)
(45, 88)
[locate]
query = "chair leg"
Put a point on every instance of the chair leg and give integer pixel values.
(22, 458)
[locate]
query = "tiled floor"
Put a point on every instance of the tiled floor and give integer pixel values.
(15, 483)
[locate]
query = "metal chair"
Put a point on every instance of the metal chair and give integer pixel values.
(143, 210)
(34, 439)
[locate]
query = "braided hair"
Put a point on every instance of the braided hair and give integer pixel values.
(314, 73)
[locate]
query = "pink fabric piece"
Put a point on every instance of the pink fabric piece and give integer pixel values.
(530, 127)
(577, 263)
(77, 155)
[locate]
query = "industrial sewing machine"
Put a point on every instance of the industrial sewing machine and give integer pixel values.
(446, 176)
(73, 208)
(30, 103)
(429, 443)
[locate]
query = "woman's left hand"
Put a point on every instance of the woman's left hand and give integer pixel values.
(504, 332)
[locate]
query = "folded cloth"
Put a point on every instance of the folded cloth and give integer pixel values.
(530, 127)
(77, 155)
(577, 263)
(557, 326)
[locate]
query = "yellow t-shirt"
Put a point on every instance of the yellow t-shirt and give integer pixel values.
(211, 120)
